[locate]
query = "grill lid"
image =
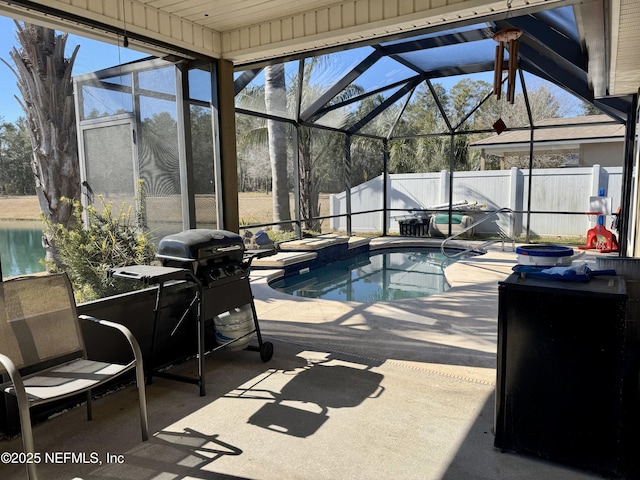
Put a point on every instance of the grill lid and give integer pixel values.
(201, 244)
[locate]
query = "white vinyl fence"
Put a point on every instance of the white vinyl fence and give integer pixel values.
(552, 190)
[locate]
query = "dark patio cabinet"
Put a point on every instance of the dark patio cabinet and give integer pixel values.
(560, 391)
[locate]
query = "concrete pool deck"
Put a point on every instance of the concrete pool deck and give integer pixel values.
(457, 327)
(401, 390)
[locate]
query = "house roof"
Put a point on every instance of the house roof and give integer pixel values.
(557, 133)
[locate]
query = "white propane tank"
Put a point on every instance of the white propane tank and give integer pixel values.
(234, 324)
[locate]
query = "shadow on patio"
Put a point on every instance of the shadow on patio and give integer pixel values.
(403, 390)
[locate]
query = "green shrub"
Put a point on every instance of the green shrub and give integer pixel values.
(86, 253)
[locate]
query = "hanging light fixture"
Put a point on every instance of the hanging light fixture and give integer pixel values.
(504, 37)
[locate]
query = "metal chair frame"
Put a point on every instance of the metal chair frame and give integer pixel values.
(33, 310)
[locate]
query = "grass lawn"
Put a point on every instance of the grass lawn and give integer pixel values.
(254, 207)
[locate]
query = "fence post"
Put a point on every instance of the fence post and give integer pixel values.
(595, 180)
(444, 186)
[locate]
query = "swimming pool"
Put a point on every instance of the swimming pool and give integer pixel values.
(388, 274)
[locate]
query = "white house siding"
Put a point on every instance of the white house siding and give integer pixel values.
(553, 190)
(605, 154)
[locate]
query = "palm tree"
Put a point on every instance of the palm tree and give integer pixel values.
(317, 145)
(311, 145)
(44, 80)
(275, 98)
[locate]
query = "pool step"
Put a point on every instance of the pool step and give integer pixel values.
(315, 243)
(323, 241)
(356, 242)
(284, 259)
(311, 252)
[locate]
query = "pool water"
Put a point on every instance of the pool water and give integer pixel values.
(376, 276)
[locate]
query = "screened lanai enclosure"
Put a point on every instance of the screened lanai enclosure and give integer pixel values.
(359, 139)
(138, 124)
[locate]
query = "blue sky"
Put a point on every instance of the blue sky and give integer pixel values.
(92, 56)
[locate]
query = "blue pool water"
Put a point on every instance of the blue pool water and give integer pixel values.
(376, 276)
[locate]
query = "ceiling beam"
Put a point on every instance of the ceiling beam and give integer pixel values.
(359, 98)
(384, 105)
(245, 79)
(340, 85)
(590, 20)
(415, 44)
(547, 40)
(545, 68)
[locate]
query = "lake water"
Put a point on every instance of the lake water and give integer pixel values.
(21, 249)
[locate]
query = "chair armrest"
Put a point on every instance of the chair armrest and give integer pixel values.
(135, 347)
(14, 375)
(21, 397)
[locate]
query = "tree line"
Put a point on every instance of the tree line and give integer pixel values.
(419, 132)
(16, 175)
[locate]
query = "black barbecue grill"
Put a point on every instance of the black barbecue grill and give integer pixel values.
(217, 262)
(211, 255)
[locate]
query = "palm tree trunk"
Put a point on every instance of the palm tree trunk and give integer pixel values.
(276, 102)
(45, 82)
(309, 207)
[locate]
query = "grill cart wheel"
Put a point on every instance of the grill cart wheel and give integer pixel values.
(266, 351)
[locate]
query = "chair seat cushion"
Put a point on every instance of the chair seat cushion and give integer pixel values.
(66, 379)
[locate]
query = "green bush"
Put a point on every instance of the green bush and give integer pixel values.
(86, 253)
